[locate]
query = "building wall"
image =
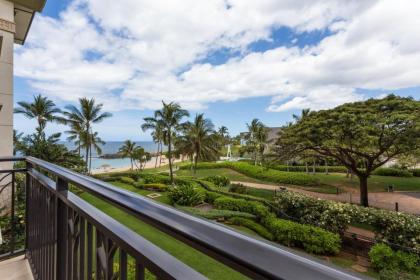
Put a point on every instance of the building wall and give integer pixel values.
(7, 28)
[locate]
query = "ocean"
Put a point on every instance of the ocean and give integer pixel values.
(112, 147)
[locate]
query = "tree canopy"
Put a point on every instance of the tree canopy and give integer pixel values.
(362, 135)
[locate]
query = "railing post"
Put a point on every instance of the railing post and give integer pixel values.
(62, 231)
(27, 204)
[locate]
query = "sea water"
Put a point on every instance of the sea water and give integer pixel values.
(112, 147)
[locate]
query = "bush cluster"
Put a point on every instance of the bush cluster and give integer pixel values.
(262, 173)
(238, 188)
(416, 172)
(389, 226)
(318, 169)
(311, 239)
(185, 195)
(252, 225)
(127, 180)
(217, 180)
(392, 172)
(216, 213)
(383, 257)
(151, 187)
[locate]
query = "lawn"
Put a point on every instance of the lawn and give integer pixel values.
(193, 258)
(328, 184)
(231, 174)
(375, 183)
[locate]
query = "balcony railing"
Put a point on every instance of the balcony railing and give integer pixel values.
(68, 238)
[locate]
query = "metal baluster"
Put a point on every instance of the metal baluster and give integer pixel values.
(62, 231)
(123, 265)
(89, 233)
(12, 216)
(82, 249)
(140, 272)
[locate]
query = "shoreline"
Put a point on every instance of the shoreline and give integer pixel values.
(149, 165)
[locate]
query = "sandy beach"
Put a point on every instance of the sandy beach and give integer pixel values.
(150, 164)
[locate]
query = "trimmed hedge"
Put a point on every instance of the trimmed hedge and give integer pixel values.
(311, 239)
(318, 168)
(262, 231)
(219, 181)
(383, 257)
(152, 187)
(262, 173)
(127, 180)
(392, 172)
(216, 213)
(389, 226)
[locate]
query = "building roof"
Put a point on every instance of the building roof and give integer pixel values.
(24, 14)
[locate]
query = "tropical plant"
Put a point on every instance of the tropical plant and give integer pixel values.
(363, 136)
(159, 138)
(42, 109)
(256, 139)
(169, 118)
(85, 116)
(199, 140)
(141, 156)
(127, 151)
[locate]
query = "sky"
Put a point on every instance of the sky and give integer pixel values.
(233, 60)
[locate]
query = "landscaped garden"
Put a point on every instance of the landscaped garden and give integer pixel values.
(290, 219)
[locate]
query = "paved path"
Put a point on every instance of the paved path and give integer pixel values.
(407, 201)
(15, 269)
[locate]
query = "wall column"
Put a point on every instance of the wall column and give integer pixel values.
(7, 32)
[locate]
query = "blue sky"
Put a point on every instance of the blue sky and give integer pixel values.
(282, 59)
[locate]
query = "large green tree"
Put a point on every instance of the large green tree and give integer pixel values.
(169, 118)
(362, 135)
(42, 109)
(127, 150)
(83, 118)
(199, 140)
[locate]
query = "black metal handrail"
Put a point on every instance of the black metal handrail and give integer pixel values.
(254, 258)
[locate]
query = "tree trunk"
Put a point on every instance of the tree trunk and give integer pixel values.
(287, 164)
(131, 161)
(90, 159)
(326, 167)
(364, 200)
(195, 164)
(313, 168)
(170, 156)
(157, 154)
(306, 167)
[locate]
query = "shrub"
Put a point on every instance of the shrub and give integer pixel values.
(217, 180)
(238, 188)
(210, 197)
(389, 226)
(216, 213)
(389, 274)
(127, 180)
(262, 231)
(392, 172)
(311, 239)
(318, 169)
(185, 195)
(383, 257)
(242, 205)
(152, 187)
(416, 172)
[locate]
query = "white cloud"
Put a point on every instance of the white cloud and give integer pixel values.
(128, 53)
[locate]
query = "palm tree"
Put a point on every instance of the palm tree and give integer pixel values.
(88, 114)
(200, 140)
(254, 136)
(127, 150)
(95, 143)
(169, 118)
(158, 137)
(42, 109)
(304, 114)
(75, 133)
(17, 140)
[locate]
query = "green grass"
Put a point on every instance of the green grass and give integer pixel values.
(163, 198)
(231, 174)
(328, 183)
(375, 183)
(193, 258)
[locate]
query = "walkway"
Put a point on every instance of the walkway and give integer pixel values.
(408, 202)
(15, 269)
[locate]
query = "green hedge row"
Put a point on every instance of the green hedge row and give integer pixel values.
(252, 225)
(261, 173)
(216, 213)
(383, 257)
(392, 172)
(318, 169)
(389, 226)
(311, 239)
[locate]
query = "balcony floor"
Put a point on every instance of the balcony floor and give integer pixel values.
(15, 269)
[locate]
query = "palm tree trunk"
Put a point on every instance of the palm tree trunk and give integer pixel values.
(157, 154)
(90, 159)
(313, 167)
(326, 167)
(170, 156)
